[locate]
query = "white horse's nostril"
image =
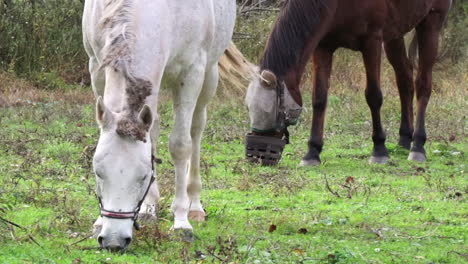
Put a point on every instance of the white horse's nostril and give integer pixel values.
(100, 239)
(127, 241)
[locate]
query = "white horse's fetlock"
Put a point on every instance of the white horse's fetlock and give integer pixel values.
(148, 209)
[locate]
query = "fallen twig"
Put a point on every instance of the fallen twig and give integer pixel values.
(11, 223)
(87, 236)
(464, 255)
(22, 228)
(329, 188)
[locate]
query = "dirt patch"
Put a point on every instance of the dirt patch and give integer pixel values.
(18, 92)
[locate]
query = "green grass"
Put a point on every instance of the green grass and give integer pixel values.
(401, 212)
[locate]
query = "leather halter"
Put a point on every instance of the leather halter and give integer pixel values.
(282, 122)
(133, 214)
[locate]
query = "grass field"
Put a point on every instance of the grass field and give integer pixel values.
(344, 211)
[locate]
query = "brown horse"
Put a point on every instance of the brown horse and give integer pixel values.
(319, 27)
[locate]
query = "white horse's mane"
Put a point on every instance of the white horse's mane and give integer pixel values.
(119, 35)
(117, 24)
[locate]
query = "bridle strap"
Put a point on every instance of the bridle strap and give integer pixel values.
(130, 215)
(281, 122)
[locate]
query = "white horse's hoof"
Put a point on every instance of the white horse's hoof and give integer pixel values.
(198, 216)
(417, 156)
(378, 160)
(184, 235)
(181, 224)
(309, 163)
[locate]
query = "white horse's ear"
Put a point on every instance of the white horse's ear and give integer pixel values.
(103, 115)
(146, 117)
(268, 79)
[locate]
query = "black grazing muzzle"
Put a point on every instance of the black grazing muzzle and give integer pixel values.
(267, 148)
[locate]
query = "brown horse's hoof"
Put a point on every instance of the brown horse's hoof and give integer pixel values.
(378, 160)
(310, 163)
(198, 216)
(417, 156)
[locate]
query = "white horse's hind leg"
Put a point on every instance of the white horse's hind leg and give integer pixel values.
(198, 126)
(180, 142)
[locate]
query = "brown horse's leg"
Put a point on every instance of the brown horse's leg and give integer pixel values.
(371, 53)
(322, 68)
(396, 54)
(428, 40)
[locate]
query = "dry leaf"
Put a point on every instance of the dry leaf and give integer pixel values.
(272, 228)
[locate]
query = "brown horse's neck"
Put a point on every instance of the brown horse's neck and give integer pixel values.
(293, 39)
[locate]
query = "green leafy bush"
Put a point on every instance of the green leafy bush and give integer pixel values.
(42, 36)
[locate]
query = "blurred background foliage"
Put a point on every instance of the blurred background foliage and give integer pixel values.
(40, 40)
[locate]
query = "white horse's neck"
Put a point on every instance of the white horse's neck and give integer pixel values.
(114, 93)
(130, 52)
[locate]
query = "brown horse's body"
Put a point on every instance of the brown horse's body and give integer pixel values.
(319, 27)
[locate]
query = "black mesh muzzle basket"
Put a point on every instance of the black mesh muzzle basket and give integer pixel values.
(264, 150)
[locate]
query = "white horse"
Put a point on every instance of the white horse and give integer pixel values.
(135, 47)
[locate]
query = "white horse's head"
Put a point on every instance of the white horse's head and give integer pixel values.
(262, 101)
(123, 168)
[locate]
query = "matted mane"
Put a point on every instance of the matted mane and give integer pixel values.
(117, 24)
(296, 23)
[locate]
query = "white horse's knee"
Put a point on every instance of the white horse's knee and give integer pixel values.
(194, 187)
(180, 149)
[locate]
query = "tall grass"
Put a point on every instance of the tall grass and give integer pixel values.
(38, 37)
(40, 40)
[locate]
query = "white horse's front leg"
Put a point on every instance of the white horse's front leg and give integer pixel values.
(198, 126)
(150, 204)
(180, 142)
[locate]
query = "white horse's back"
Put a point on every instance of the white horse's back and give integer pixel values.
(207, 26)
(135, 46)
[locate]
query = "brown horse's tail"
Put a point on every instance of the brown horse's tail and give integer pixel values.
(235, 71)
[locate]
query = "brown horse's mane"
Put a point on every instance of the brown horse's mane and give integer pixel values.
(298, 20)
